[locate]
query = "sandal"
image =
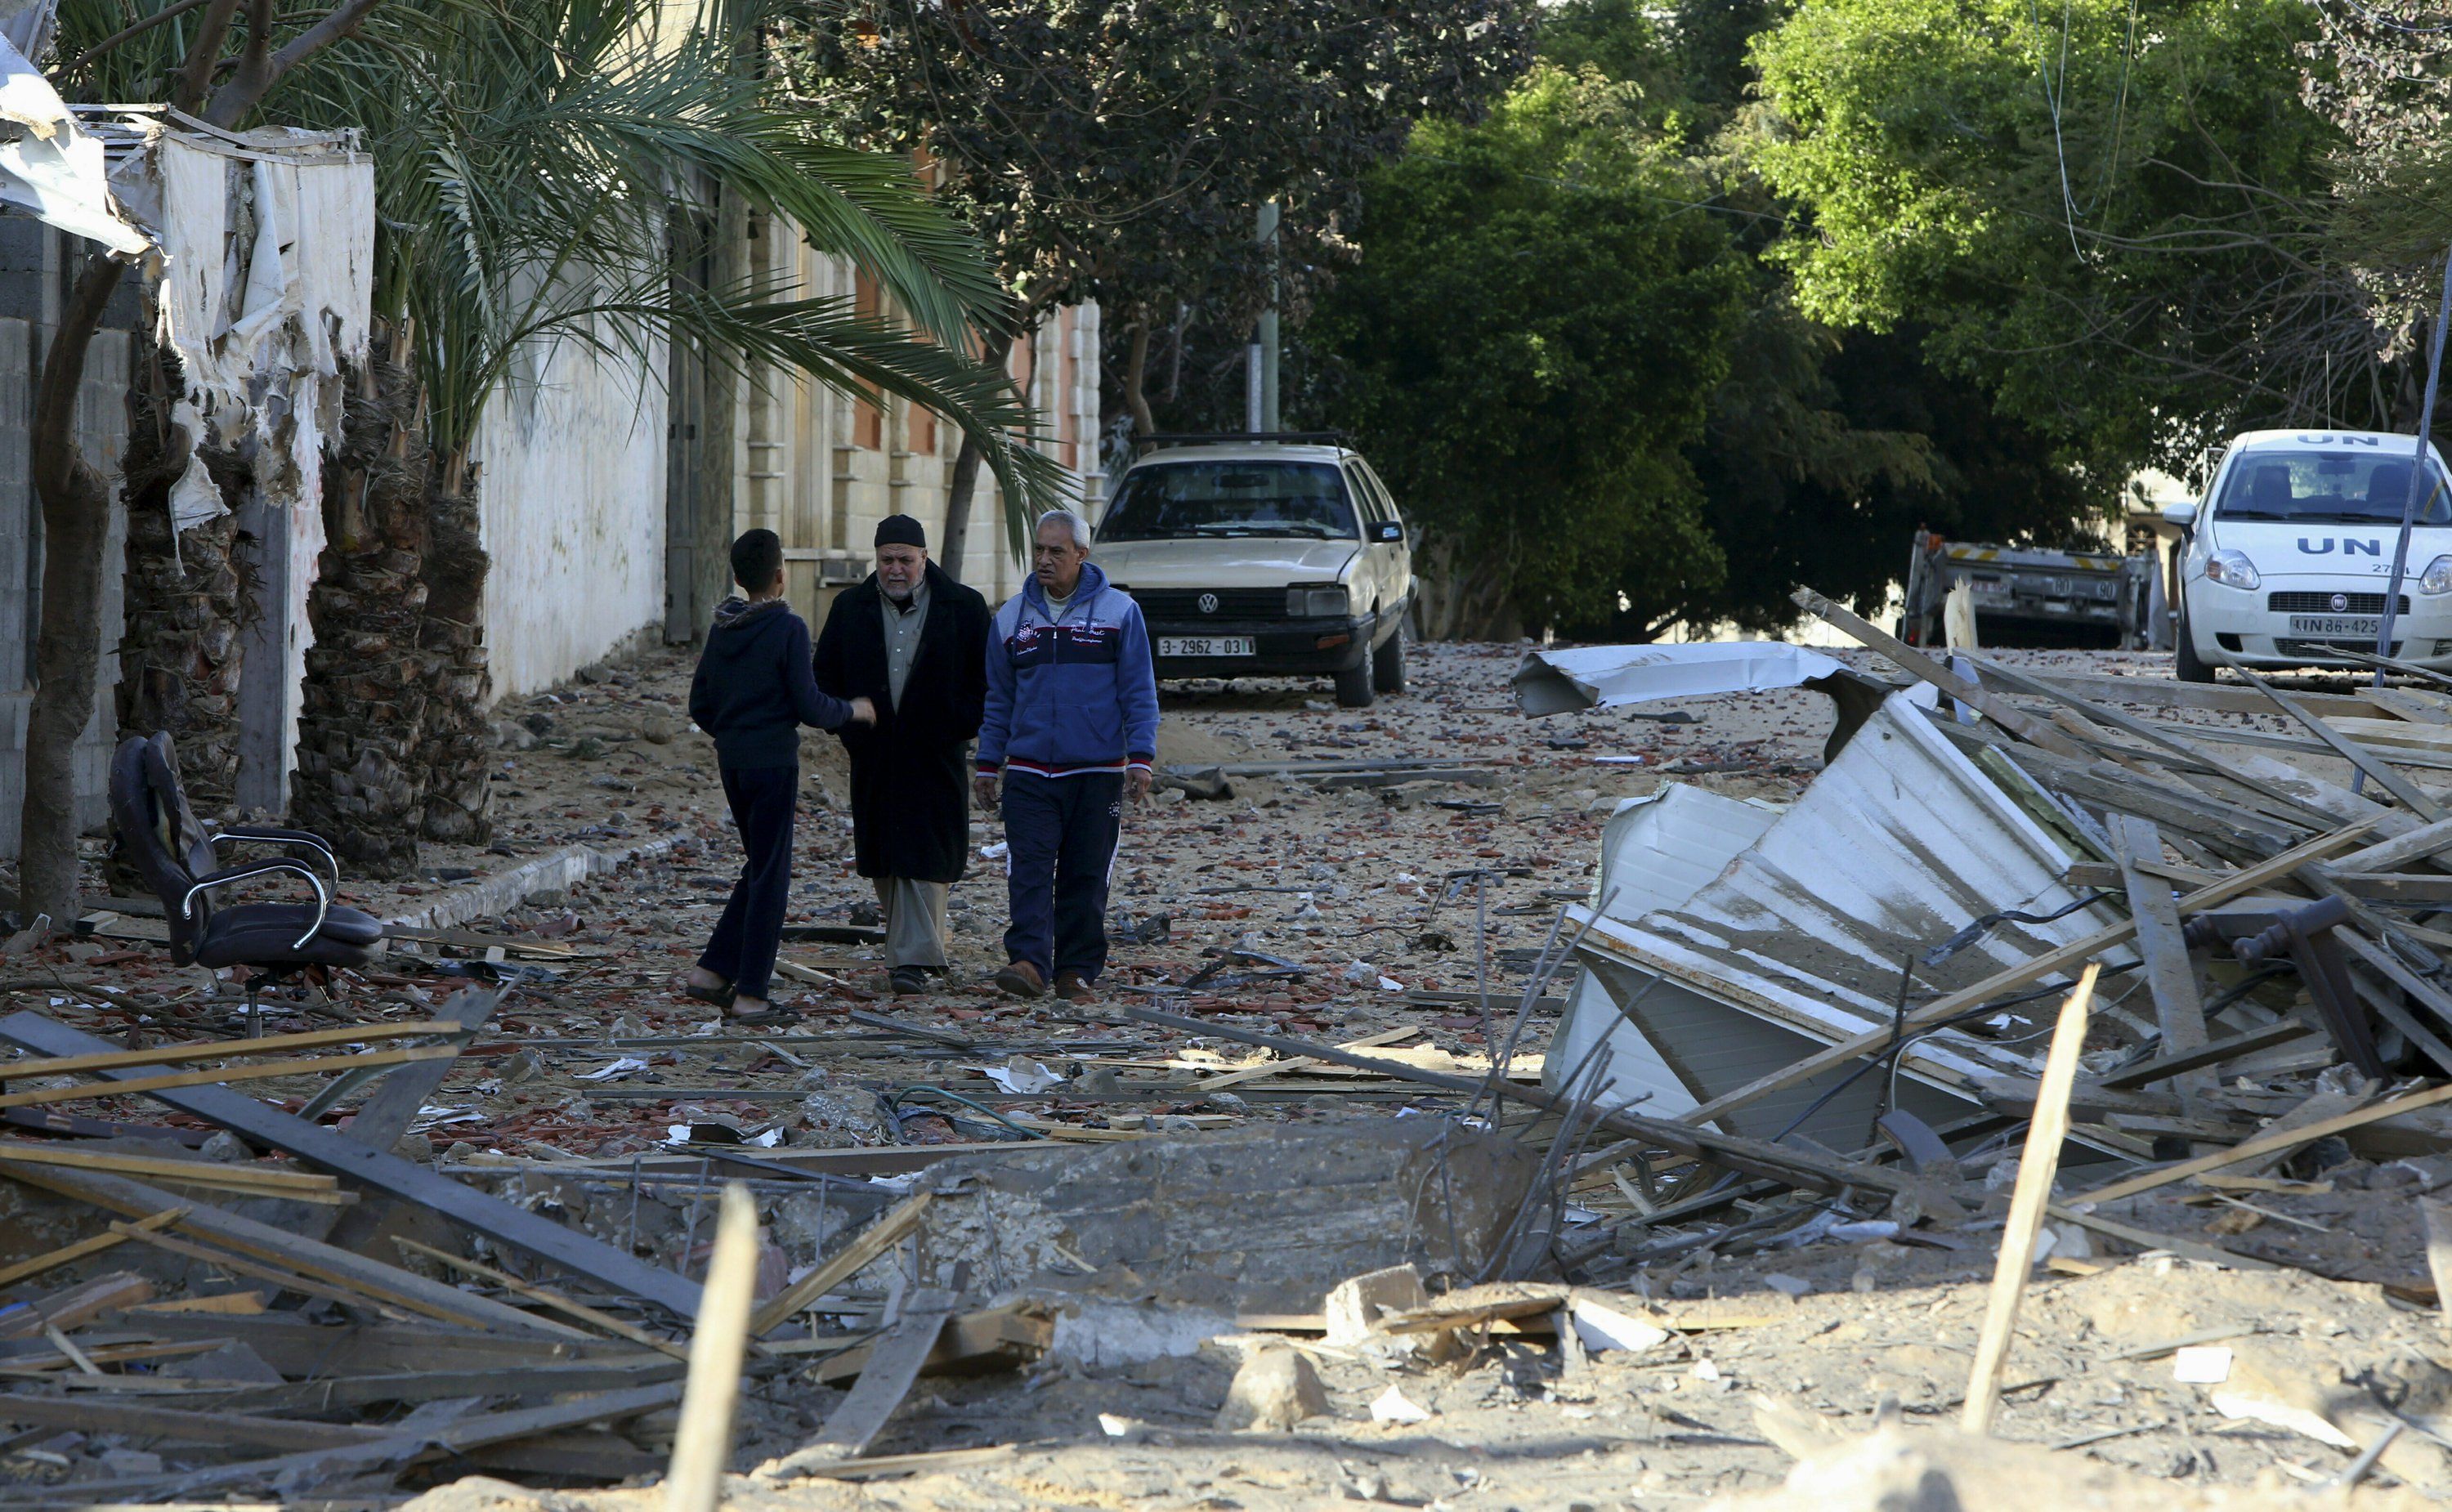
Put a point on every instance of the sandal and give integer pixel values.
(772, 1013)
(719, 996)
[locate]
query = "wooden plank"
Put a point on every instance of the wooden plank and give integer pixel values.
(2214, 1053)
(329, 1150)
(67, 1254)
(847, 1262)
(85, 1065)
(2436, 1217)
(175, 1423)
(2388, 1007)
(1010, 1334)
(2147, 1238)
(546, 1296)
(2398, 733)
(280, 1245)
(258, 1182)
(702, 1439)
(2010, 978)
(2170, 975)
(2350, 750)
(76, 1306)
(383, 1119)
(1232, 1078)
(343, 1390)
(296, 1474)
(2271, 1142)
(2168, 692)
(2000, 710)
(2416, 844)
(2161, 740)
(117, 1085)
(2037, 1166)
(2407, 705)
(893, 1365)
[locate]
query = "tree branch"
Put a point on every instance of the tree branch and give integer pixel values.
(232, 101)
(168, 12)
(196, 78)
(55, 455)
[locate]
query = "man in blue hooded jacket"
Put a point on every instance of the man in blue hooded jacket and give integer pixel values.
(1071, 723)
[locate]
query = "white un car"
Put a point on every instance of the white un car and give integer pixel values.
(1278, 555)
(2289, 558)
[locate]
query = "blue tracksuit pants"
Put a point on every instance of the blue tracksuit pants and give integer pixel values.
(1060, 833)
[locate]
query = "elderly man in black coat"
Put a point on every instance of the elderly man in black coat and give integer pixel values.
(913, 641)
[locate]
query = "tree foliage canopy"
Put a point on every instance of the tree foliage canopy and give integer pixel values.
(2108, 214)
(1528, 343)
(1119, 147)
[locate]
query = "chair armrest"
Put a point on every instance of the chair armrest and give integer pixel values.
(267, 836)
(240, 874)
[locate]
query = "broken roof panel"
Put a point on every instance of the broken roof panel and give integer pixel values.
(1556, 682)
(1898, 846)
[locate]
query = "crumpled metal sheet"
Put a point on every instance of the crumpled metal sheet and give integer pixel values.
(1558, 681)
(49, 165)
(1899, 844)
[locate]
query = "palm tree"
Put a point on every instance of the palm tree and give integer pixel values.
(537, 162)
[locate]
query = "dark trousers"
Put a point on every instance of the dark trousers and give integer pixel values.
(742, 950)
(1060, 833)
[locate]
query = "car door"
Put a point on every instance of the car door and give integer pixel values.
(1371, 590)
(1398, 582)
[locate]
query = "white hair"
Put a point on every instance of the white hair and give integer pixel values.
(1071, 522)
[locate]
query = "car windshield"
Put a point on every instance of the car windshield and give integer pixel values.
(2339, 486)
(1178, 500)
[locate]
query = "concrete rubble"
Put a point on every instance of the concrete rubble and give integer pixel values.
(1624, 1107)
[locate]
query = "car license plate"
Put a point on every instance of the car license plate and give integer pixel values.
(2364, 627)
(1207, 646)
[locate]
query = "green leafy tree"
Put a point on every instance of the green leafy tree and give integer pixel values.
(1527, 348)
(2111, 215)
(1120, 148)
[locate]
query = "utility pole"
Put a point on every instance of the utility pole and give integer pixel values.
(1267, 236)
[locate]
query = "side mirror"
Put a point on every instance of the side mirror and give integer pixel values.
(1388, 532)
(2182, 515)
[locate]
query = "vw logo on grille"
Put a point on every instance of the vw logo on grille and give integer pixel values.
(1209, 602)
(2341, 601)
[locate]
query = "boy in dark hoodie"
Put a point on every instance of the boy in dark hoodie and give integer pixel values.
(752, 692)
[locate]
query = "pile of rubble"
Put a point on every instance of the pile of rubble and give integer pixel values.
(1414, 1156)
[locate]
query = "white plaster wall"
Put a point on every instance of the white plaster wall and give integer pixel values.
(572, 490)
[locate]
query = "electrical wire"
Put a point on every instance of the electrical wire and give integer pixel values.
(894, 1106)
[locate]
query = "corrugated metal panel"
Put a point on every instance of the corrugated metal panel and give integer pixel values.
(1899, 844)
(1656, 852)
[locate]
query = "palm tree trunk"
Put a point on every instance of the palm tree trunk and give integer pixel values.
(455, 745)
(180, 655)
(68, 646)
(361, 782)
(965, 478)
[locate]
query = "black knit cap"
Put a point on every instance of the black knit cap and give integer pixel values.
(902, 530)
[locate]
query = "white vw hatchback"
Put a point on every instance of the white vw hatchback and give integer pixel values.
(2287, 562)
(1263, 556)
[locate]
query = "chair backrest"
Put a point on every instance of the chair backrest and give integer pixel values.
(159, 834)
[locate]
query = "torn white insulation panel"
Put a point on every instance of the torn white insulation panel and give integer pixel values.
(1810, 935)
(1558, 681)
(51, 166)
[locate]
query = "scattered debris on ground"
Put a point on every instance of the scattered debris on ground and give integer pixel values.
(1625, 1107)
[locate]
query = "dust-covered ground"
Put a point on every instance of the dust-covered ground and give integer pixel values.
(1367, 910)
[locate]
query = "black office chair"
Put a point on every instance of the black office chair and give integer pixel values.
(159, 835)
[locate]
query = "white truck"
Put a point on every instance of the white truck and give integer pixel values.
(2289, 558)
(2029, 596)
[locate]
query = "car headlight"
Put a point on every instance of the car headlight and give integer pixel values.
(1315, 603)
(2233, 570)
(2437, 578)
